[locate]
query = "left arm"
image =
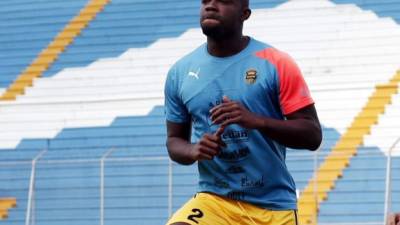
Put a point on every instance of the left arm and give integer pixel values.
(300, 130)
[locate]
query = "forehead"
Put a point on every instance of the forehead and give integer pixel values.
(241, 2)
(237, 4)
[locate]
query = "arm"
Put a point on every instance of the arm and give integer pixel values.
(182, 151)
(301, 129)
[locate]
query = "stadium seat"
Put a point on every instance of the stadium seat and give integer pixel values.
(103, 99)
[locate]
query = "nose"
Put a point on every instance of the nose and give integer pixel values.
(210, 5)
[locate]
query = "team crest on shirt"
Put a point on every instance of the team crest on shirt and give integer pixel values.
(251, 76)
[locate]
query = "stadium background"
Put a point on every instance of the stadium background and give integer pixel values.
(81, 114)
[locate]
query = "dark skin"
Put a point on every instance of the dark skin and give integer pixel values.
(222, 23)
(300, 130)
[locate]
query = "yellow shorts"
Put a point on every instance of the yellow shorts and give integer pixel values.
(210, 209)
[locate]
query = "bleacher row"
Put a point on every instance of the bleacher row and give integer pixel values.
(27, 28)
(78, 115)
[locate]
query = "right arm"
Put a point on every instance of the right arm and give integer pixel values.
(183, 152)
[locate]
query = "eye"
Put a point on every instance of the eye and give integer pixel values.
(226, 1)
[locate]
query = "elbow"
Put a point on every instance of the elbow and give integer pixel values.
(180, 160)
(316, 140)
(178, 156)
(315, 145)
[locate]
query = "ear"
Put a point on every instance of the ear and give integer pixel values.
(246, 14)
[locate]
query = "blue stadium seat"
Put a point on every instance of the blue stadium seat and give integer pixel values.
(384, 8)
(136, 192)
(17, 49)
(60, 187)
(133, 14)
(359, 196)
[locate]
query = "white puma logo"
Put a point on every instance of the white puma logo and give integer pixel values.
(194, 74)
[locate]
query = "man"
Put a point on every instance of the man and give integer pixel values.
(245, 101)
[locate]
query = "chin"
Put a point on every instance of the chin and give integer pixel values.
(212, 31)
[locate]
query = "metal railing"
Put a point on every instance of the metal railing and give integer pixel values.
(31, 192)
(30, 219)
(388, 189)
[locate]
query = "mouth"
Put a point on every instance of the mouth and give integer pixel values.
(210, 20)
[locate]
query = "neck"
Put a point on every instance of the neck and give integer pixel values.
(227, 47)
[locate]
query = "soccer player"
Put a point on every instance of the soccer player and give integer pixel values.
(246, 102)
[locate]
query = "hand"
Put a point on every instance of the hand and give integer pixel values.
(208, 146)
(230, 112)
(394, 219)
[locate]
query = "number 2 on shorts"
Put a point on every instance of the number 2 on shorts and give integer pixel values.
(197, 213)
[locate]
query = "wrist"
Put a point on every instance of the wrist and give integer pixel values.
(257, 122)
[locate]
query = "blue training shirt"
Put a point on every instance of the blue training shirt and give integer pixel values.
(267, 82)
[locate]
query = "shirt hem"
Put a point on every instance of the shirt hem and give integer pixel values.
(273, 206)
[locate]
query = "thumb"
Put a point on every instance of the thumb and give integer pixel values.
(219, 132)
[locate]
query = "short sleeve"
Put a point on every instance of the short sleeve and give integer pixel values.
(175, 110)
(293, 90)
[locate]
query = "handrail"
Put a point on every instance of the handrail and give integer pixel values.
(389, 182)
(31, 187)
(156, 159)
(170, 186)
(315, 174)
(102, 160)
(305, 155)
(88, 160)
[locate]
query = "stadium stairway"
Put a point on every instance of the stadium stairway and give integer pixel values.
(369, 170)
(170, 19)
(71, 112)
(89, 96)
(359, 195)
(41, 20)
(385, 133)
(67, 183)
(317, 189)
(5, 205)
(113, 25)
(135, 190)
(54, 49)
